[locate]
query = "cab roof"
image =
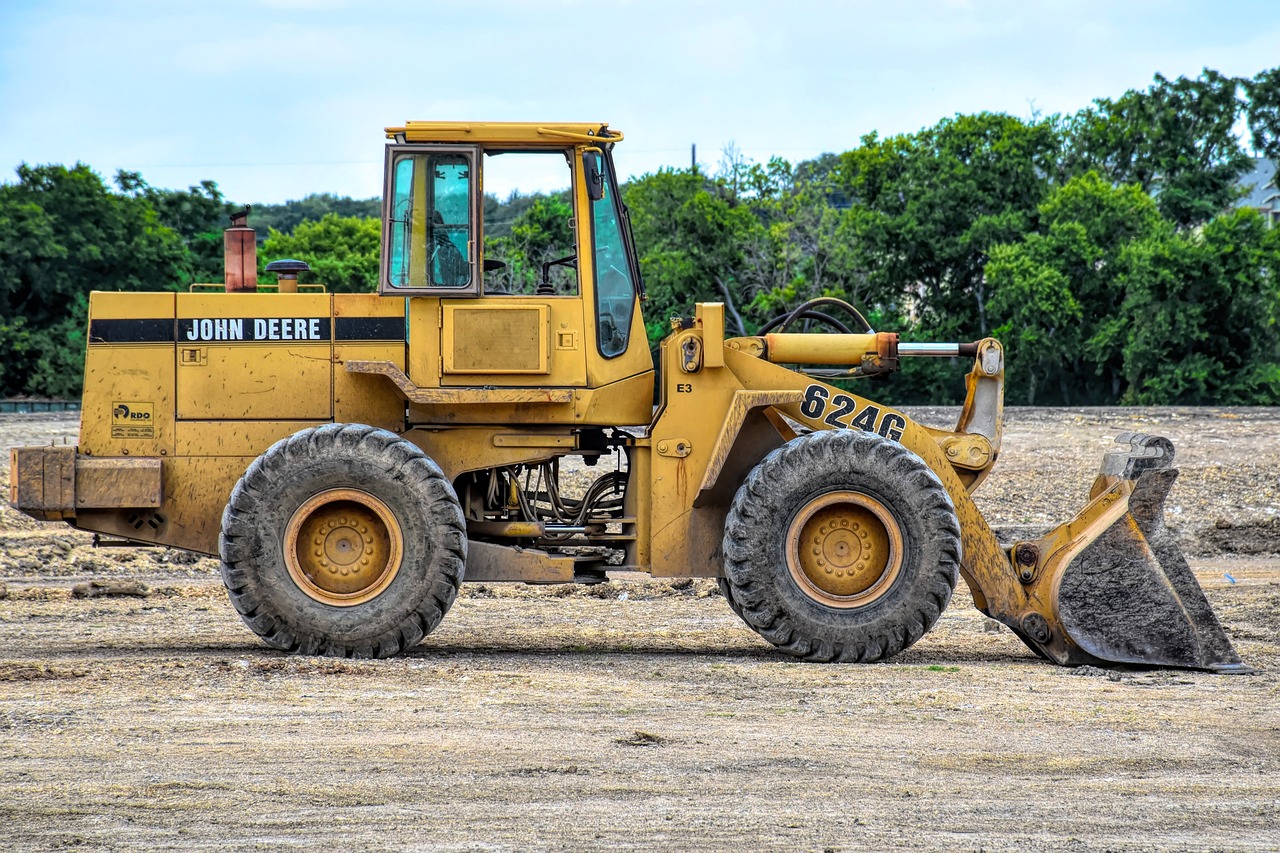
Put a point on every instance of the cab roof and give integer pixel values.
(522, 132)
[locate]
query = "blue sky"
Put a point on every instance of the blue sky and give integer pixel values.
(280, 98)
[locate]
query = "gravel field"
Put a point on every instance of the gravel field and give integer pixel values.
(640, 714)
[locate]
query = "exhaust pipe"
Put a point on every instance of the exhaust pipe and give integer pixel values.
(240, 254)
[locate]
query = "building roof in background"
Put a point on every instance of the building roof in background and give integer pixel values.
(1260, 183)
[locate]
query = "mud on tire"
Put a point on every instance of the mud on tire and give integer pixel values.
(293, 544)
(846, 502)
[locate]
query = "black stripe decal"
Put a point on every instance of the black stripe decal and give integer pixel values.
(161, 330)
(150, 330)
(370, 329)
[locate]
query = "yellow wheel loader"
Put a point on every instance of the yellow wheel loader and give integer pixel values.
(352, 459)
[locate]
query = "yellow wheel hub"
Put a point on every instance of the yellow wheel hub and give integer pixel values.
(844, 549)
(343, 547)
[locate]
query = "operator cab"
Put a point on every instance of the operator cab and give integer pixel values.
(543, 290)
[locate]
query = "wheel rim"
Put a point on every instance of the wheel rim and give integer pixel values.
(844, 549)
(343, 547)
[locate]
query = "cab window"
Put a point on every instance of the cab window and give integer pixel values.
(529, 245)
(431, 222)
(615, 289)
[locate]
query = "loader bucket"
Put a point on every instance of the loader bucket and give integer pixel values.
(1119, 588)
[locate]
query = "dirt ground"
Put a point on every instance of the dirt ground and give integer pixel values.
(637, 715)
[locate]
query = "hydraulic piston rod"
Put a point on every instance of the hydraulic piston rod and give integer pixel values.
(938, 350)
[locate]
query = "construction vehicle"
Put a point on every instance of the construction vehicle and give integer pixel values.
(352, 458)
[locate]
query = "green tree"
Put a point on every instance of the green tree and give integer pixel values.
(342, 252)
(1263, 112)
(928, 207)
(1057, 297)
(696, 244)
(1202, 313)
(1176, 140)
(63, 232)
(198, 214)
(287, 216)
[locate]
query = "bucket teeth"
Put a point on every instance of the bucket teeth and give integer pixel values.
(1143, 453)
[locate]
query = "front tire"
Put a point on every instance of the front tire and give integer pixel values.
(841, 546)
(343, 540)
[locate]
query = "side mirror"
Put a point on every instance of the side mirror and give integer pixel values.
(593, 175)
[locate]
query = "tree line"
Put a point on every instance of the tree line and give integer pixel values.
(1105, 248)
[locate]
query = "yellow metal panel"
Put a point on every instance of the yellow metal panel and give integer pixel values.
(461, 449)
(498, 408)
(358, 318)
(710, 315)
(424, 341)
(485, 338)
(128, 400)
(624, 403)
(118, 483)
(743, 402)
(534, 440)
(364, 398)
(695, 406)
(489, 562)
(254, 356)
(361, 305)
(110, 305)
(232, 438)
(565, 328)
(255, 382)
(691, 544)
(627, 402)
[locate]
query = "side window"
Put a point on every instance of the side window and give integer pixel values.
(615, 291)
(429, 227)
(400, 221)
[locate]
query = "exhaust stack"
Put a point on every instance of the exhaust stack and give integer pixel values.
(240, 254)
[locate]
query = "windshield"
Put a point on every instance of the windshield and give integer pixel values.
(615, 285)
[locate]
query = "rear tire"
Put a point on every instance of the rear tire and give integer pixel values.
(841, 546)
(343, 540)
